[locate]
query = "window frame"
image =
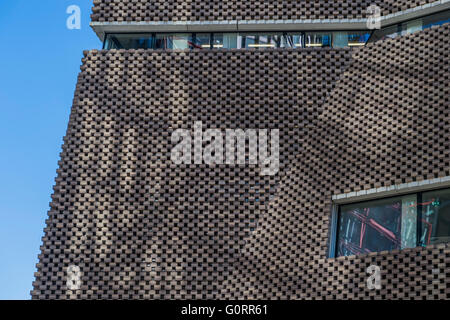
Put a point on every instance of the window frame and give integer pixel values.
(336, 213)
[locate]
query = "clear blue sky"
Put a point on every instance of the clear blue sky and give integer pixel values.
(39, 63)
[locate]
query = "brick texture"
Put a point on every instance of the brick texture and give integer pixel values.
(387, 122)
(139, 226)
(200, 10)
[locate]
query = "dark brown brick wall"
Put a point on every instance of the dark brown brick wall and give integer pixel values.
(120, 202)
(387, 122)
(200, 10)
(139, 226)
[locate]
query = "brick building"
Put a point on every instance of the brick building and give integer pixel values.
(364, 175)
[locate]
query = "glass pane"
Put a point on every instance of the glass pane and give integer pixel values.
(377, 226)
(128, 41)
(409, 222)
(350, 39)
(248, 41)
(173, 41)
(317, 39)
(435, 217)
(225, 40)
(202, 41)
(262, 40)
(411, 26)
(436, 19)
(386, 33)
(294, 40)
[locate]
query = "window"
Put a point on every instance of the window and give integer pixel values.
(262, 40)
(418, 219)
(376, 226)
(317, 39)
(385, 33)
(350, 39)
(202, 41)
(294, 40)
(436, 19)
(435, 217)
(266, 39)
(225, 41)
(411, 26)
(173, 41)
(247, 40)
(125, 41)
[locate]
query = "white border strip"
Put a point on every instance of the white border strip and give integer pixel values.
(101, 28)
(395, 190)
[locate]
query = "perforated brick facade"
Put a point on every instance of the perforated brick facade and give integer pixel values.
(139, 226)
(200, 10)
(387, 122)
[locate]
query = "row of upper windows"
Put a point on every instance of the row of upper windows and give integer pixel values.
(235, 40)
(411, 26)
(418, 219)
(248, 40)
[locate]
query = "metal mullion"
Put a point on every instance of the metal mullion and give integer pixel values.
(336, 231)
(419, 218)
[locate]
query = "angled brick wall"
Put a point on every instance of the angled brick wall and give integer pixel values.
(139, 226)
(199, 10)
(386, 123)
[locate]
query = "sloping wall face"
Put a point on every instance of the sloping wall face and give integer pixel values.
(136, 224)
(387, 122)
(139, 226)
(200, 10)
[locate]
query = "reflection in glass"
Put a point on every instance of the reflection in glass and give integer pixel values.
(202, 41)
(436, 19)
(262, 40)
(350, 39)
(435, 217)
(294, 40)
(317, 39)
(173, 41)
(409, 222)
(127, 41)
(225, 41)
(411, 26)
(375, 226)
(385, 33)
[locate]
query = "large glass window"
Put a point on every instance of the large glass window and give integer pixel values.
(126, 41)
(337, 39)
(317, 39)
(225, 41)
(411, 26)
(173, 41)
(350, 39)
(393, 223)
(435, 217)
(436, 19)
(202, 41)
(376, 226)
(262, 40)
(385, 33)
(295, 40)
